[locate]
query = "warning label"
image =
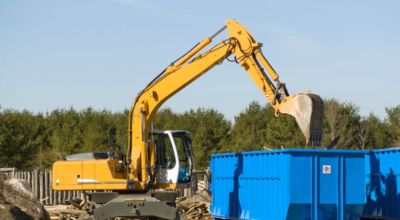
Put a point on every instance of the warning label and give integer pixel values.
(326, 169)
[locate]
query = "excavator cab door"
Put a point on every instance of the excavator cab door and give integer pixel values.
(174, 162)
(184, 149)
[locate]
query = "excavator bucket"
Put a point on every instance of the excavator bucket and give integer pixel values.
(308, 110)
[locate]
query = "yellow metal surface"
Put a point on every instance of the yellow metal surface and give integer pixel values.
(192, 52)
(153, 156)
(88, 175)
(64, 176)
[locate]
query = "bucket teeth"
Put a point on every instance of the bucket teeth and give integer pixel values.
(315, 138)
(316, 121)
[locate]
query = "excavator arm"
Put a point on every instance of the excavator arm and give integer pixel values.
(307, 109)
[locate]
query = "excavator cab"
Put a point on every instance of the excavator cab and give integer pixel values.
(174, 158)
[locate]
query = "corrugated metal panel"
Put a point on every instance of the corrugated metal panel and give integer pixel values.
(382, 183)
(288, 184)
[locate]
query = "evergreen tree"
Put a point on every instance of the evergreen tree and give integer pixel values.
(36, 140)
(393, 123)
(341, 124)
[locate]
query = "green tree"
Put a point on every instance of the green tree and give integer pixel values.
(95, 127)
(166, 119)
(248, 132)
(257, 128)
(377, 133)
(36, 140)
(341, 122)
(393, 123)
(22, 135)
(120, 122)
(282, 131)
(65, 132)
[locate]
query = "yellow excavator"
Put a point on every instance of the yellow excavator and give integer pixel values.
(141, 183)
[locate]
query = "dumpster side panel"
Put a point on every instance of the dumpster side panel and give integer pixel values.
(382, 183)
(329, 185)
(222, 184)
(288, 184)
(262, 185)
(301, 186)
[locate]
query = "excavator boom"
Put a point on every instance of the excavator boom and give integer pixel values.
(306, 108)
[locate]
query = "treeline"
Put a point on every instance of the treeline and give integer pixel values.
(38, 139)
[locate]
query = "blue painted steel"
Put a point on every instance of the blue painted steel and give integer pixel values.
(288, 184)
(383, 183)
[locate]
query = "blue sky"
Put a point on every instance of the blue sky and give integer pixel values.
(58, 54)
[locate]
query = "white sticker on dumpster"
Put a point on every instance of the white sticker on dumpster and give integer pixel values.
(326, 169)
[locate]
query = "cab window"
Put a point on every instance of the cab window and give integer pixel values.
(165, 152)
(169, 156)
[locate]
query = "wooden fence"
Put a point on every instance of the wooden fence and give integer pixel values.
(200, 183)
(40, 182)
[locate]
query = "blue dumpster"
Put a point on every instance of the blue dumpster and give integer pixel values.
(288, 184)
(383, 183)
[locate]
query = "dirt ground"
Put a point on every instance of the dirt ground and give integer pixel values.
(18, 202)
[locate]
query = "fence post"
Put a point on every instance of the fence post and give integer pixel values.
(40, 175)
(49, 190)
